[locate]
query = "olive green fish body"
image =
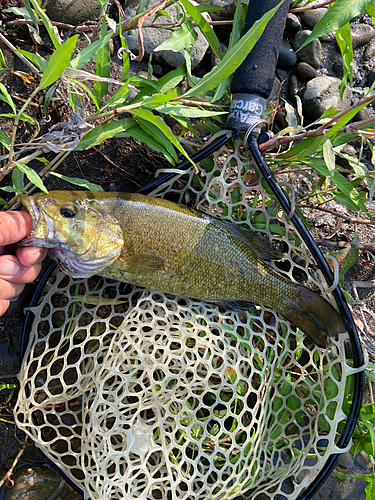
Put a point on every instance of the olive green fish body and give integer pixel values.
(173, 249)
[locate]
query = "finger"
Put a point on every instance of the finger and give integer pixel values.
(11, 270)
(4, 304)
(9, 289)
(14, 226)
(28, 256)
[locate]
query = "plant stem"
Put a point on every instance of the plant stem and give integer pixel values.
(311, 6)
(23, 58)
(351, 220)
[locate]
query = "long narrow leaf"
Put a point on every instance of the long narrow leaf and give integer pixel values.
(234, 57)
(58, 62)
(182, 38)
(34, 58)
(344, 41)
(189, 112)
(341, 12)
(158, 137)
(102, 132)
(102, 69)
(79, 182)
(47, 23)
(140, 135)
(159, 122)
(204, 27)
(31, 175)
(7, 98)
(89, 52)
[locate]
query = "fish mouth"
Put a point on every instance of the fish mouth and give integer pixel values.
(41, 224)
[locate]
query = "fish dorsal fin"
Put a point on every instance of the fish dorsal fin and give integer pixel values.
(143, 262)
(263, 249)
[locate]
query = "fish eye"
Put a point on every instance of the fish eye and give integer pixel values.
(68, 212)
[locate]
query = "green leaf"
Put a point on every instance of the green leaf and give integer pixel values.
(341, 12)
(160, 124)
(153, 131)
(31, 175)
(58, 62)
(18, 179)
(171, 79)
(344, 41)
(47, 23)
(32, 15)
(3, 64)
(329, 155)
(143, 4)
(102, 68)
(118, 98)
(190, 112)
(6, 98)
(104, 131)
(79, 182)
(90, 52)
(4, 139)
(234, 57)
(204, 27)
(34, 58)
(86, 89)
(339, 180)
(142, 136)
(180, 39)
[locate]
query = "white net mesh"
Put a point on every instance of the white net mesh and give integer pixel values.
(139, 395)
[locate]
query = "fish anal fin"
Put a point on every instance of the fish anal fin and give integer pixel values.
(263, 249)
(143, 262)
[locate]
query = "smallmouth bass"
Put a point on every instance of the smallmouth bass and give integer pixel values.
(173, 249)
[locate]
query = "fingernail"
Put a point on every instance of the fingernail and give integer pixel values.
(9, 268)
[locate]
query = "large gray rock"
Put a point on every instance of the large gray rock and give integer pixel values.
(153, 37)
(73, 11)
(313, 16)
(311, 53)
(323, 92)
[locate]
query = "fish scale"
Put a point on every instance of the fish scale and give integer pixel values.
(170, 248)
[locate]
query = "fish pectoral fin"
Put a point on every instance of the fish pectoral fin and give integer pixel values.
(263, 249)
(143, 262)
(237, 305)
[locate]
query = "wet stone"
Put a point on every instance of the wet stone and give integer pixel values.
(323, 92)
(73, 11)
(292, 26)
(292, 88)
(287, 57)
(305, 72)
(363, 114)
(338, 68)
(371, 77)
(362, 34)
(311, 53)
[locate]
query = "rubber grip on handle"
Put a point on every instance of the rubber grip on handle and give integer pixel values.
(256, 73)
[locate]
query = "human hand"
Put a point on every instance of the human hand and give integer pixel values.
(18, 265)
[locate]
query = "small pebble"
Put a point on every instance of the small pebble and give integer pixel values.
(292, 88)
(362, 34)
(371, 77)
(287, 56)
(311, 53)
(338, 67)
(281, 118)
(292, 26)
(305, 72)
(348, 150)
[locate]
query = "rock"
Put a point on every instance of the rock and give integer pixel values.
(369, 52)
(292, 26)
(293, 88)
(281, 118)
(229, 7)
(348, 150)
(287, 57)
(371, 77)
(153, 37)
(73, 11)
(313, 16)
(363, 114)
(311, 53)
(323, 92)
(305, 72)
(338, 67)
(362, 34)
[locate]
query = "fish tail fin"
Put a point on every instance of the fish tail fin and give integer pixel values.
(315, 316)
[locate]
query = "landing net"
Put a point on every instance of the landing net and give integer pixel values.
(138, 395)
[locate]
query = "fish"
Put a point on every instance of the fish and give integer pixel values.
(170, 248)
